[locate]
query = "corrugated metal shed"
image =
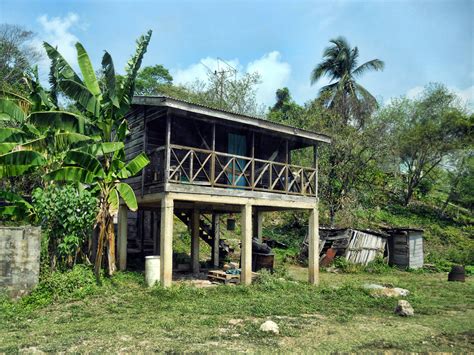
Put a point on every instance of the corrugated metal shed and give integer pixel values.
(405, 247)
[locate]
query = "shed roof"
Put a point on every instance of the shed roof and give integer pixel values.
(248, 120)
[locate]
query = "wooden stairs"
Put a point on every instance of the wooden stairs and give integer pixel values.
(206, 232)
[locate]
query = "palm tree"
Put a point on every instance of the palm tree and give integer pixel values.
(344, 94)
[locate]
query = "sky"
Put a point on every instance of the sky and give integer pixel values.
(419, 41)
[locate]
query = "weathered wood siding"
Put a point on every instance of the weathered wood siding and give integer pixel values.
(364, 247)
(415, 250)
(406, 249)
(134, 142)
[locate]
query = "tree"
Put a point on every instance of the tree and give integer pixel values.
(101, 166)
(221, 92)
(460, 175)
(17, 56)
(153, 80)
(33, 138)
(340, 64)
(425, 131)
(286, 110)
(349, 166)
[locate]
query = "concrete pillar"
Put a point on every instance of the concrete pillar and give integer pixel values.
(215, 241)
(313, 250)
(122, 236)
(166, 241)
(195, 241)
(246, 246)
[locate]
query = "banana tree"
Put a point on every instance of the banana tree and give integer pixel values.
(101, 166)
(33, 139)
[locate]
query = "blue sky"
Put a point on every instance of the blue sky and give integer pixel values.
(420, 41)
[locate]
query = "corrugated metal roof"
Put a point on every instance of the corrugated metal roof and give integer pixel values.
(312, 135)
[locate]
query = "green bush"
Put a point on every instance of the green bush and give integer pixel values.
(67, 216)
(378, 266)
(71, 284)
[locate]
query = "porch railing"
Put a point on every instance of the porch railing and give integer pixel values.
(195, 166)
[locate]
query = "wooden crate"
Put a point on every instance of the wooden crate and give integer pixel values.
(221, 276)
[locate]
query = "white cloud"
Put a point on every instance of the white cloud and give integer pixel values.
(415, 92)
(199, 71)
(465, 95)
(274, 73)
(57, 31)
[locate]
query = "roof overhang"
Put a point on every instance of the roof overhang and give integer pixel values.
(163, 101)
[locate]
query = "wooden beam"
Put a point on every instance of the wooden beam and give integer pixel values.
(246, 245)
(237, 197)
(259, 226)
(213, 157)
(145, 135)
(215, 242)
(313, 247)
(315, 166)
(167, 147)
(166, 241)
(156, 231)
(122, 236)
(287, 162)
(195, 241)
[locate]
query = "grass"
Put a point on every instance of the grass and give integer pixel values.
(339, 315)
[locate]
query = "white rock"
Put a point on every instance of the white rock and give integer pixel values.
(235, 321)
(404, 309)
(401, 291)
(270, 326)
(373, 286)
(382, 291)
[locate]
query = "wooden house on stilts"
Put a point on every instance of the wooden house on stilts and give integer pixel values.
(206, 162)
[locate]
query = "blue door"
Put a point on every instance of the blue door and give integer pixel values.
(237, 144)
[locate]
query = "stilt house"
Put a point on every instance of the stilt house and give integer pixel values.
(206, 162)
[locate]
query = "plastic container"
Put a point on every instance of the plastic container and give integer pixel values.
(152, 270)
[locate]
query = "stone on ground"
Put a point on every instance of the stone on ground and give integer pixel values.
(235, 321)
(270, 327)
(382, 291)
(404, 309)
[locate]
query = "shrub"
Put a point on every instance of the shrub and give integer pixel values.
(378, 266)
(67, 216)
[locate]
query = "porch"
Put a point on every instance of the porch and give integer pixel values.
(250, 209)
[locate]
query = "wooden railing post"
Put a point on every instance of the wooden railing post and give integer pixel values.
(213, 168)
(191, 165)
(167, 148)
(270, 166)
(286, 166)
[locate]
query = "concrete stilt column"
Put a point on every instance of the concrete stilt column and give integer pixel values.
(215, 242)
(166, 241)
(313, 250)
(195, 241)
(122, 236)
(246, 248)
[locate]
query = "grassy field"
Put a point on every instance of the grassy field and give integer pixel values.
(339, 315)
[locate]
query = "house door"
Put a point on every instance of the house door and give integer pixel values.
(237, 144)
